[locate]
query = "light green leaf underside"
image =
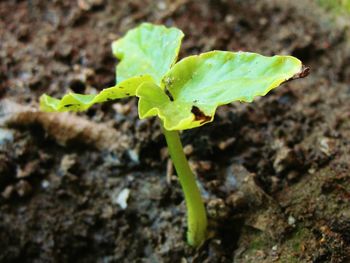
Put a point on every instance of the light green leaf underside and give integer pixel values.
(80, 102)
(199, 84)
(148, 49)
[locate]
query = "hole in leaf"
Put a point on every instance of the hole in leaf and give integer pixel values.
(199, 115)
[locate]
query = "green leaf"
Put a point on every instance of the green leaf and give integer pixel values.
(154, 102)
(146, 53)
(147, 49)
(192, 90)
(80, 102)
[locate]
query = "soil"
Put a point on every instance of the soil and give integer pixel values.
(98, 187)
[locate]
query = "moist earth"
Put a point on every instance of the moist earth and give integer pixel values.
(98, 186)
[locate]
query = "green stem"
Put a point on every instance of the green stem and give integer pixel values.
(196, 215)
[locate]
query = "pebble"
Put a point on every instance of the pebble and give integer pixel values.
(327, 146)
(201, 166)
(188, 149)
(285, 158)
(291, 221)
(217, 209)
(7, 193)
(45, 184)
(229, 19)
(27, 170)
(121, 198)
(227, 143)
(133, 155)
(67, 162)
(311, 170)
(205, 166)
(122, 108)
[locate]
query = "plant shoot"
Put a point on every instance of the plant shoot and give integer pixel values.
(183, 95)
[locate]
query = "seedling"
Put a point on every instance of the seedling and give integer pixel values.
(184, 95)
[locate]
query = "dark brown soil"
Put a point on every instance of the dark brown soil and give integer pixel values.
(275, 173)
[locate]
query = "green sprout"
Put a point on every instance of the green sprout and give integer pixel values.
(184, 95)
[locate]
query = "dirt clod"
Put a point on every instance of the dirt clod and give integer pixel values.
(217, 209)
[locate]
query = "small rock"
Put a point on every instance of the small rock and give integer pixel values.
(311, 170)
(327, 146)
(67, 162)
(45, 184)
(291, 221)
(133, 155)
(28, 169)
(188, 149)
(121, 198)
(227, 143)
(263, 21)
(23, 188)
(124, 109)
(200, 166)
(217, 209)
(7, 193)
(229, 19)
(205, 166)
(285, 158)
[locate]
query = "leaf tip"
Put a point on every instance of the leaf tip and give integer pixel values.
(46, 103)
(302, 73)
